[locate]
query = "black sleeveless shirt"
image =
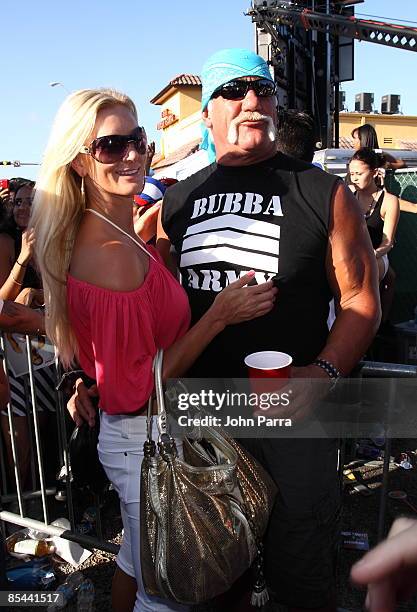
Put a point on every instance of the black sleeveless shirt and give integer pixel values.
(374, 223)
(271, 217)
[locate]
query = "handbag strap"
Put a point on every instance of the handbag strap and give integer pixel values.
(160, 400)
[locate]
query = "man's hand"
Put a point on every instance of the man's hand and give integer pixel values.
(390, 569)
(150, 152)
(80, 405)
(305, 388)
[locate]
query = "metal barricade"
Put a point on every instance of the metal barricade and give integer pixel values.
(392, 371)
(38, 485)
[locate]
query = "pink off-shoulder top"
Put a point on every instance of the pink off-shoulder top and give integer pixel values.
(119, 332)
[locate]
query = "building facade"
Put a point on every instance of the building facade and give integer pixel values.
(180, 128)
(394, 131)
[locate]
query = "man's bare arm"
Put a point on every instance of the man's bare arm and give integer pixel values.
(164, 246)
(353, 277)
(22, 319)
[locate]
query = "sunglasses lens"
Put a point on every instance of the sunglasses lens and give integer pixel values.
(111, 149)
(233, 90)
(264, 88)
(237, 90)
(140, 141)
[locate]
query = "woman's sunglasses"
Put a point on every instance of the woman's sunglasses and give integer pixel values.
(112, 149)
(237, 89)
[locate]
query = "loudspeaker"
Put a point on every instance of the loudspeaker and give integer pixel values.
(363, 102)
(342, 100)
(390, 104)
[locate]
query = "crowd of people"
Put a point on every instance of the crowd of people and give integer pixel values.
(247, 254)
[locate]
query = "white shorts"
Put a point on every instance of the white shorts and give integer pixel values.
(385, 262)
(120, 449)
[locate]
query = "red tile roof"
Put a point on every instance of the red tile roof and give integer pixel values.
(180, 80)
(345, 142)
(186, 79)
(408, 145)
(176, 156)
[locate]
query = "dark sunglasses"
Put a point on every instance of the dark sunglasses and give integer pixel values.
(111, 149)
(237, 89)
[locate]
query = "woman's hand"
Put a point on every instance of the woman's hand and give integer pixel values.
(238, 303)
(5, 195)
(80, 405)
(28, 245)
(145, 224)
(30, 297)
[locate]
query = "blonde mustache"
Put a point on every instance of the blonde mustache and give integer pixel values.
(233, 131)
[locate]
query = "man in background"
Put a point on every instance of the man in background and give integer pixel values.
(296, 134)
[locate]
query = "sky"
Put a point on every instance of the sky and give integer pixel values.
(138, 47)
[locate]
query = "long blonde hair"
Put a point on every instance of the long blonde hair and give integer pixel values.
(59, 205)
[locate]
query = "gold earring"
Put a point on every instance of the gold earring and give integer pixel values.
(82, 188)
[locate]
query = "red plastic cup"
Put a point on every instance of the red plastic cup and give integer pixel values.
(268, 365)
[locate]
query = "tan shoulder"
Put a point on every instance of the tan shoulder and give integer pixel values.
(111, 265)
(345, 207)
(390, 198)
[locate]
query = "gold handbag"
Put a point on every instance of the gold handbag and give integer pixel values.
(202, 518)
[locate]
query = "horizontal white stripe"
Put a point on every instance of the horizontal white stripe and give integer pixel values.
(234, 256)
(236, 222)
(231, 238)
(152, 191)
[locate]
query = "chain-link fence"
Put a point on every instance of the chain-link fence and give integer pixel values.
(404, 256)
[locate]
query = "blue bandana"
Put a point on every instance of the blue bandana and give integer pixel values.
(220, 68)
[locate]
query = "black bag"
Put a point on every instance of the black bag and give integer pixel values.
(86, 468)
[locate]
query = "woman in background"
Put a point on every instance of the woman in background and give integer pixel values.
(21, 282)
(365, 137)
(380, 209)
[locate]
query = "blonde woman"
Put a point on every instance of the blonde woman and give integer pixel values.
(110, 301)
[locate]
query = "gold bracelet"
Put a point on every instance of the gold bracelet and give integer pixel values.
(15, 281)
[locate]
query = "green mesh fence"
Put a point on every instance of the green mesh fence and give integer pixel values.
(403, 257)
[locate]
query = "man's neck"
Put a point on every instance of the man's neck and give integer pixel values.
(246, 158)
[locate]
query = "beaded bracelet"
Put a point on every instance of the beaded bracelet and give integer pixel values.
(328, 367)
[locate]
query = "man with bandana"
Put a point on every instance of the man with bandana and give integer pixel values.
(255, 208)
